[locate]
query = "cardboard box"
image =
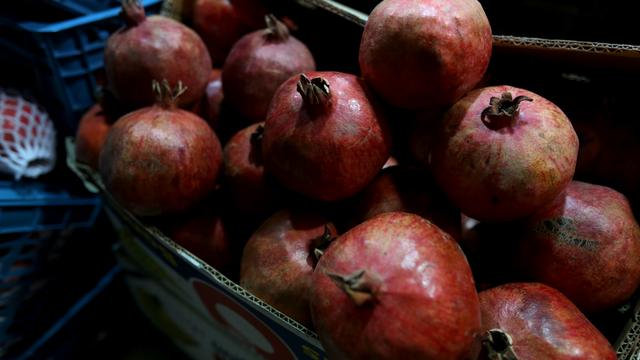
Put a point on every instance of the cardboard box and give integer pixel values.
(201, 310)
(207, 315)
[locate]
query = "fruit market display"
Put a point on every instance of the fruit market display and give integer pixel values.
(289, 177)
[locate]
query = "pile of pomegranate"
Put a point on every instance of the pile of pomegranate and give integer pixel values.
(289, 181)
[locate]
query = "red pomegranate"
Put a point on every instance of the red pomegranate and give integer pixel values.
(91, 134)
(250, 12)
(160, 159)
(213, 97)
(219, 25)
(258, 63)
(248, 187)
(395, 287)
(425, 54)
(279, 258)
(502, 153)
(204, 234)
(410, 190)
(154, 48)
(324, 136)
(586, 244)
(535, 322)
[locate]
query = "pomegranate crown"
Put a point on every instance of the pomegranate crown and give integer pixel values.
(314, 91)
(361, 286)
(322, 242)
(165, 95)
(499, 345)
(132, 12)
(257, 135)
(505, 105)
(276, 29)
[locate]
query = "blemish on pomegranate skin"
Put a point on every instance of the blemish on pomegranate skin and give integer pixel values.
(565, 232)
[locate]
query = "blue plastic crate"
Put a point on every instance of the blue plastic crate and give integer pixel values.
(33, 217)
(60, 63)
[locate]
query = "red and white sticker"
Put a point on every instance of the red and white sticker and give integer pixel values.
(242, 323)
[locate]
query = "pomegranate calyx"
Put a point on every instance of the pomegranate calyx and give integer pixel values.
(499, 345)
(132, 12)
(314, 91)
(165, 95)
(276, 29)
(256, 136)
(360, 286)
(322, 242)
(505, 105)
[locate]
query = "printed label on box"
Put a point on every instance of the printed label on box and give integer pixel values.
(206, 316)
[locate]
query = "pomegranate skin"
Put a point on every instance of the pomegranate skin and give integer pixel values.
(586, 244)
(425, 54)
(219, 25)
(157, 161)
(503, 173)
(250, 12)
(157, 48)
(278, 261)
(248, 188)
(542, 323)
(204, 234)
(424, 302)
(91, 135)
(406, 189)
(213, 97)
(328, 153)
(257, 64)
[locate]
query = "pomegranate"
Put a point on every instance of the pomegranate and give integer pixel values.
(160, 159)
(204, 234)
(154, 48)
(403, 286)
(258, 63)
(213, 97)
(324, 136)
(501, 153)
(410, 190)
(534, 321)
(425, 54)
(250, 12)
(248, 186)
(586, 244)
(219, 25)
(91, 134)
(278, 260)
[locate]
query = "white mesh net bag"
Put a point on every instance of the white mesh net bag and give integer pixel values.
(28, 138)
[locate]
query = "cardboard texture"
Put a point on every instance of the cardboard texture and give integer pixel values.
(209, 316)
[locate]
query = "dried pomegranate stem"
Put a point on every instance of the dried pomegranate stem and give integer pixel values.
(256, 136)
(498, 345)
(276, 29)
(132, 12)
(321, 243)
(315, 91)
(504, 106)
(165, 95)
(360, 286)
